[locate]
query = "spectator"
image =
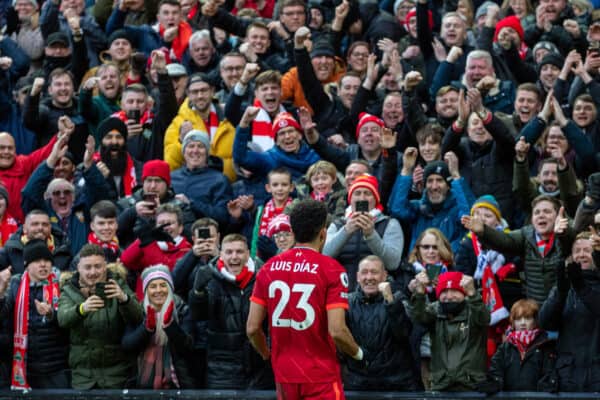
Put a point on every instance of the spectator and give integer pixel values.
(139, 210)
(8, 224)
(199, 113)
(25, 30)
(94, 307)
(378, 320)
(230, 69)
(526, 360)
(31, 300)
(103, 227)
(289, 151)
(446, 197)
(163, 244)
(321, 183)
(571, 309)
(201, 55)
(161, 339)
(364, 230)
(36, 226)
(537, 244)
(458, 364)
(218, 285)
(204, 190)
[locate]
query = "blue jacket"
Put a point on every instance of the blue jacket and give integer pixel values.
(420, 215)
(143, 37)
(208, 191)
(262, 163)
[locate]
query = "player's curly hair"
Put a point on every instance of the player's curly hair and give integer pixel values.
(307, 218)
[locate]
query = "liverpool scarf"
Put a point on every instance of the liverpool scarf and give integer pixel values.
(180, 43)
(21, 324)
(522, 339)
(243, 278)
(262, 127)
(129, 180)
(270, 212)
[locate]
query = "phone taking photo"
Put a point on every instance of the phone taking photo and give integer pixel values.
(134, 115)
(203, 233)
(99, 290)
(433, 271)
(362, 206)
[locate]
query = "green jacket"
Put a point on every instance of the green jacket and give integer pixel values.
(95, 355)
(540, 272)
(458, 345)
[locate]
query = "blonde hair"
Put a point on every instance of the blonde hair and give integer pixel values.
(324, 167)
(444, 247)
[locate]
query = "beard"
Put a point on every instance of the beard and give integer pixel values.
(51, 63)
(116, 164)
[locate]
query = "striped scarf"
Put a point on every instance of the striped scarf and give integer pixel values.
(544, 246)
(21, 325)
(270, 212)
(522, 339)
(213, 123)
(262, 127)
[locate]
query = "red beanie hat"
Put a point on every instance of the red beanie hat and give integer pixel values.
(510, 22)
(365, 181)
(413, 13)
(157, 168)
(364, 117)
(283, 120)
(280, 223)
(449, 280)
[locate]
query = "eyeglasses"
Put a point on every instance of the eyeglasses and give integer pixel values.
(58, 193)
(282, 235)
(428, 246)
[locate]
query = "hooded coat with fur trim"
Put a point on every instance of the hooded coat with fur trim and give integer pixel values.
(96, 357)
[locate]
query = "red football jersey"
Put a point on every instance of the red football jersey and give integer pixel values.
(298, 287)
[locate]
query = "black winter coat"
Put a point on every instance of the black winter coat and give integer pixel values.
(12, 253)
(383, 330)
(576, 317)
(136, 338)
(534, 373)
(232, 362)
(47, 344)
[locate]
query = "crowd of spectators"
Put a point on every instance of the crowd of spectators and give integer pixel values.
(151, 152)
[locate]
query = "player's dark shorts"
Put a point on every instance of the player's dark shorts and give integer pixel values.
(309, 391)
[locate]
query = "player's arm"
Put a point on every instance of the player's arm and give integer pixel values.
(339, 332)
(254, 329)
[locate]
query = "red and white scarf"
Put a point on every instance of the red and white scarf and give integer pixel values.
(21, 324)
(129, 179)
(180, 43)
(544, 246)
(522, 339)
(488, 264)
(270, 212)
(213, 123)
(145, 120)
(243, 278)
(262, 127)
(113, 245)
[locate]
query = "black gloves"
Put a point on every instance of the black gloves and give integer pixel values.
(157, 234)
(562, 284)
(203, 276)
(594, 186)
(575, 276)
(489, 386)
(266, 247)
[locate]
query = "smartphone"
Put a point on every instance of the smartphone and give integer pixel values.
(433, 271)
(134, 115)
(100, 290)
(203, 233)
(362, 206)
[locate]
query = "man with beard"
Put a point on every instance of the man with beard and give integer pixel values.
(446, 197)
(68, 209)
(199, 112)
(97, 108)
(458, 364)
(121, 171)
(43, 118)
(555, 178)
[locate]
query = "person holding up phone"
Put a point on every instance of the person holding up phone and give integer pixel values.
(364, 230)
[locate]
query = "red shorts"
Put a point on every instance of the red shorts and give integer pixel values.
(307, 391)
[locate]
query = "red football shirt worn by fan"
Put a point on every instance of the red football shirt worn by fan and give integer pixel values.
(297, 288)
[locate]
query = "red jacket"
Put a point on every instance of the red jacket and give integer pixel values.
(15, 178)
(137, 259)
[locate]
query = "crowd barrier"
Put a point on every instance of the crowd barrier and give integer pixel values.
(267, 395)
